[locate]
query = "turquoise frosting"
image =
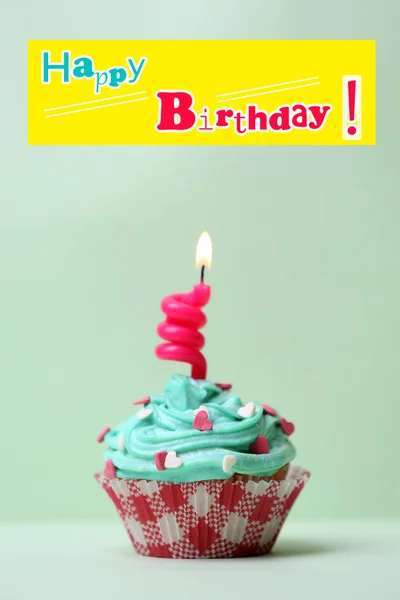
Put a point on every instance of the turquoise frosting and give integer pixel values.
(169, 427)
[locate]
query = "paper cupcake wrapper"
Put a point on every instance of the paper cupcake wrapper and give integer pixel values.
(205, 519)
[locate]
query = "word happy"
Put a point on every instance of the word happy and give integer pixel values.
(176, 114)
(83, 67)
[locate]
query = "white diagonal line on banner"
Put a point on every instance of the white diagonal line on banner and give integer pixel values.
(295, 87)
(264, 87)
(94, 108)
(94, 101)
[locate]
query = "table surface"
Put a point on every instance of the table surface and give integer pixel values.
(85, 560)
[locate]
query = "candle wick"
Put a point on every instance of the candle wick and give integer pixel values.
(202, 273)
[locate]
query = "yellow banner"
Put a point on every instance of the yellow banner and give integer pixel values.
(195, 92)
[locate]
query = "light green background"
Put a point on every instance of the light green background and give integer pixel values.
(305, 306)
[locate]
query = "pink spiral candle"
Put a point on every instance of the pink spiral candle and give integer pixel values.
(180, 329)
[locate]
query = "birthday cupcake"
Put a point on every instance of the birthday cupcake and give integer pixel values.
(195, 472)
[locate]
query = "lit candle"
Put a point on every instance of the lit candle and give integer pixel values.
(184, 318)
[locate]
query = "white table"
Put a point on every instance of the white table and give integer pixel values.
(94, 560)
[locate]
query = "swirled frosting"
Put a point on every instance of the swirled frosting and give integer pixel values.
(165, 425)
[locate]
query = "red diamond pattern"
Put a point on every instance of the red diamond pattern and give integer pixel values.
(142, 508)
(173, 496)
(161, 518)
(160, 551)
(202, 536)
(263, 511)
(231, 494)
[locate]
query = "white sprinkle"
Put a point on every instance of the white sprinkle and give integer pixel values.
(228, 462)
(144, 413)
(200, 409)
(172, 461)
(247, 411)
(121, 441)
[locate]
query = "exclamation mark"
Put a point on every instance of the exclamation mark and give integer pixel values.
(351, 92)
(352, 107)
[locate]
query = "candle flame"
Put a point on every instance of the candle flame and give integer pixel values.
(204, 251)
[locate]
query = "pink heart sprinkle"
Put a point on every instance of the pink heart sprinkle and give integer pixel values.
(202, 422)
(260, 446)
(224, 386)
(101, 436)
(109, 470)
(270, 411)
(287, 426)
(159, 459)
(142, 401)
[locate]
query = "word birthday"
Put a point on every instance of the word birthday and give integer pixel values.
(176, 113)
(83, 67)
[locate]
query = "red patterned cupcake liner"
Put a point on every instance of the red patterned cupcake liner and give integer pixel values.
(205, 519)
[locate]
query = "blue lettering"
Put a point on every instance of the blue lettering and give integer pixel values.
(101, 78)
(83, 67)
(117, 76)
(47, 66)
(136, 69)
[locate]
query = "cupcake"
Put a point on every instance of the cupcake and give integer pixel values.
(197, 473)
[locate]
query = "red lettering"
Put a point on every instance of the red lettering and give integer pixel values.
(239, 116)
(253, 114)
(319, 114)
(279, 120)
(223, 114)
(299, 118)
(175, 113)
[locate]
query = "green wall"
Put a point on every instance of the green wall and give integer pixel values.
(305, 308)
